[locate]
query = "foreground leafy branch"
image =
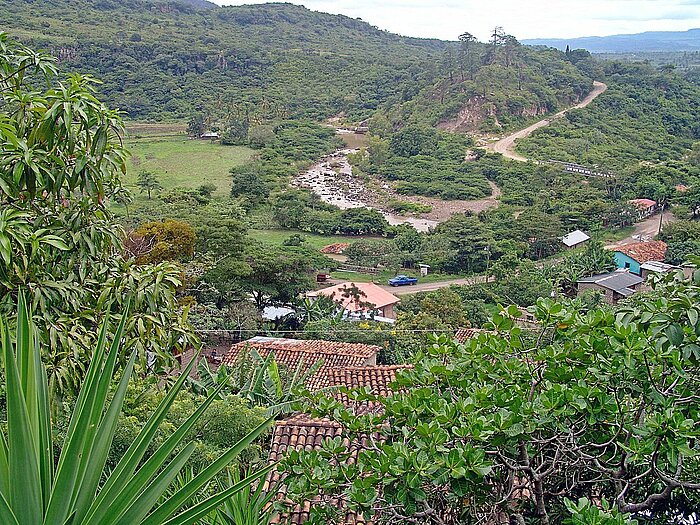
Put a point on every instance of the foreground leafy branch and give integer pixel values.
(593, 404)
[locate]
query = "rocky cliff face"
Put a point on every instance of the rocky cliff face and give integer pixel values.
(479, 111)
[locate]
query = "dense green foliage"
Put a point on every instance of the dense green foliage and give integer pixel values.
(645, 115)
(167, 59)
(597, 404)
(60, 164)
(492, 86)
(423, 161)
(248, 65)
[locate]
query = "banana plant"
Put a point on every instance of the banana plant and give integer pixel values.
(257, 379)
(77, 490)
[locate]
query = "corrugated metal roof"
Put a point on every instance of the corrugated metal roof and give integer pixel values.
(574, 238)
(660, 267)
(617, 281)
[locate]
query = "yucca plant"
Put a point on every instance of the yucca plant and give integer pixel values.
(76, 490)
(250, 506)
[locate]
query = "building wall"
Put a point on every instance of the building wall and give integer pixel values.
(607, 294)
(625, 261)
(388, 311)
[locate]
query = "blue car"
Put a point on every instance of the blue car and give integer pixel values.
(402, 280)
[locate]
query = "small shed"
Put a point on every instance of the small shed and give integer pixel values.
(424, 269)
(575, 238)
(658, 267)
(209, 135)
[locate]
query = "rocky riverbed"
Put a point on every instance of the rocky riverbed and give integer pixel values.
(333, 181)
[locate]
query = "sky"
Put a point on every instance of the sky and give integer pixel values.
(447, 19)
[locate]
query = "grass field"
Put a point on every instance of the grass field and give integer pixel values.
(179, 161)
(277, 237)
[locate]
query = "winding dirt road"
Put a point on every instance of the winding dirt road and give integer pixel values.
(506, 146)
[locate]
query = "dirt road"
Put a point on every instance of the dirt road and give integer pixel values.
(424, 287)
(506, 146)
(431, 287)
(645, 230)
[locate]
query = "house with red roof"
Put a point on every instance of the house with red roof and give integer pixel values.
(360, 299)
(632, 256)
(645, 207)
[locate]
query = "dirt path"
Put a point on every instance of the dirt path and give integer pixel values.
(645, 230)
(423, 287)
(506, 146)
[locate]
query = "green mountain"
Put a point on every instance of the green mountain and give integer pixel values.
(165, 59)
(161, 59)
(635, 43)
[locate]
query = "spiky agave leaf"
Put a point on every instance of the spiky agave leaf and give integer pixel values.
(72, 494)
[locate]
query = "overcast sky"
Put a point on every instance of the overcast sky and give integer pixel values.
(446, 19)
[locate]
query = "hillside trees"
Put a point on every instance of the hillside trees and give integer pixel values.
(60, 164)
(598, 404)
(639, 98)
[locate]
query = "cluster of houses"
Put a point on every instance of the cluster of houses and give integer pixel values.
(351, 365)
(635, 262)
(354, 365)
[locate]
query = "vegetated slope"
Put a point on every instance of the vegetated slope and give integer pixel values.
(634, 43)
(493, 86)
(646, 114)
(164, 59)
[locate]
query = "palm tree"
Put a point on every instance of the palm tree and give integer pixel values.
(77, 490)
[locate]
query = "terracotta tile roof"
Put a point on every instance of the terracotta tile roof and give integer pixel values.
(462, 335)
(369, 293)
(291, 352)
(643, 252)
(336, 248)
(642, 204)
(303, 432)
(377, 378)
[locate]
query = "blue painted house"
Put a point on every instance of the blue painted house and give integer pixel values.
(632, 256)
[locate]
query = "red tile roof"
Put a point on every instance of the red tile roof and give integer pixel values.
(303, 432)
(336, 248)
(291, 352)
(369, 293)
(643, 252)
(377, 378)
(642, 204)
(462, 335)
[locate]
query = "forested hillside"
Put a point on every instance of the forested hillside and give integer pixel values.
(168, 59)
(647, 114)
(497, 85)
(163, 59)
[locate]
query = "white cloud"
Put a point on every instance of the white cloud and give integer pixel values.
(447, 19)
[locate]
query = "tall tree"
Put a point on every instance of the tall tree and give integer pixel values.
(468, 54)
(148, 182)
(60, 166)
